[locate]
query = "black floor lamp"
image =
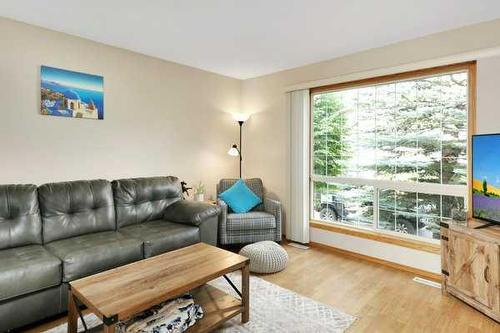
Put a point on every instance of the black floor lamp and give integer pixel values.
(235, 150)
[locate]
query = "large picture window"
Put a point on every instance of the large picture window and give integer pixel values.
(391, 154)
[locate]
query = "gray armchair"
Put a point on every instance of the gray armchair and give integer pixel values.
(262, 223)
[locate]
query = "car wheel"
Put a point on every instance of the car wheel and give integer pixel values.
(328, 214)
(405, 228)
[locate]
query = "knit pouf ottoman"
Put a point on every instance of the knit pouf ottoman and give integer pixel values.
(265, 257)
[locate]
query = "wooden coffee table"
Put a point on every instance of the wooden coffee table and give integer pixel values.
(122, 292)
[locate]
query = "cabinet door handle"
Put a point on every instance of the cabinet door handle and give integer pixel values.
(486, 273)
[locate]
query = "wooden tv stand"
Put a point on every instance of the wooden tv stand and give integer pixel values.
(470, 265)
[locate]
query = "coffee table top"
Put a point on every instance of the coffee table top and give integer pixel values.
(130, 289)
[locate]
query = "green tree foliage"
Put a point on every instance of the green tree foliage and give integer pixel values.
(485, 187)
(328, 130)
(423, 130)
(415, 130)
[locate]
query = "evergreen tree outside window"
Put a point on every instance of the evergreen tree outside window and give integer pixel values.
(391, 155)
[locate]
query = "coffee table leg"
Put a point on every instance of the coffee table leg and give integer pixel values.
(72, 313)
(245, 293)
(109, 328)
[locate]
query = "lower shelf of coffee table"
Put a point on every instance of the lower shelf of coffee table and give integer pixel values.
(218, 307)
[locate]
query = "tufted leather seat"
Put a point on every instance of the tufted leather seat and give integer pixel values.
(160, 236)
(26, 269)
(25, 266)
(92, 253)
(140, 206)
(79, 228)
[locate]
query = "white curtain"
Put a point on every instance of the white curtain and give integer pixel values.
(297, 228)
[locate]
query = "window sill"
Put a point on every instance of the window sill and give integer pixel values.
(377, 236)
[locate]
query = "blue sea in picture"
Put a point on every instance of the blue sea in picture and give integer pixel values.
(71, 94)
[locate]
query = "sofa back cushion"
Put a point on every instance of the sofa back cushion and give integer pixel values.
(140, 200)
(254, 184)
(20, 222)
(76, 208)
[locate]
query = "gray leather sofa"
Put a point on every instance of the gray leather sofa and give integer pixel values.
(60, 232)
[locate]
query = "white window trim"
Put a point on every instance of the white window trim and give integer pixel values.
(427, 188)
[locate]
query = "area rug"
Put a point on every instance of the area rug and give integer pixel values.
(272, 309)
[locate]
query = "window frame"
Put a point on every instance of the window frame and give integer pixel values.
(443, 189)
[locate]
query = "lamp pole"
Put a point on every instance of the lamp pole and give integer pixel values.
(240, 122)
(235, 150)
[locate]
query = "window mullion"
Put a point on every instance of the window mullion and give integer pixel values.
(428, 188)
(376, 196)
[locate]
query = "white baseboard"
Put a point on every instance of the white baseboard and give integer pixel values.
(427, 282)
(421, 260)
(299, 246)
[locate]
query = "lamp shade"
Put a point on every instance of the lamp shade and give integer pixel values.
(241, 116)
(233, 151)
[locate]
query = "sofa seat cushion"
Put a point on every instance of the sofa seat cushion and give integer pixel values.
(27, 269)
(93, 253)
(160, 236)
(250, 221)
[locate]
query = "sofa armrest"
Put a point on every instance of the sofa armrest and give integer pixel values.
(223, 210)
(209, 230)
(190, 212)
(222, 221)
(274, 207)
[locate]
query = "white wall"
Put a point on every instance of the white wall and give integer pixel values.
(268, 132)
(429, 262)
(160, 118)
(488, 95)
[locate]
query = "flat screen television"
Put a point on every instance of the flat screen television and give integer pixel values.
(486, 177)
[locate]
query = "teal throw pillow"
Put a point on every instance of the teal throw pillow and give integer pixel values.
(240, 198)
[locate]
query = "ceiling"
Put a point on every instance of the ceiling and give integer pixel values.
(249, 38)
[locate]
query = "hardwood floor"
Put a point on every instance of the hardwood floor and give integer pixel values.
(384, 299)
